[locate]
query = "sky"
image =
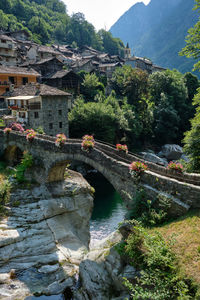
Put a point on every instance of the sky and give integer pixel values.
(101, 13)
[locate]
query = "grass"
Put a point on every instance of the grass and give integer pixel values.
(185, 233)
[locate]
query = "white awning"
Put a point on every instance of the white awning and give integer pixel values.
(22, 98)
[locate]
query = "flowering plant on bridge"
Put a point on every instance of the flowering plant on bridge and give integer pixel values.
(60, 139)
(7, 130)
(122, 148)
(30, 134)
(17, 127)
(175, 166)
(87, 145)
(137, 167)
(88, 138)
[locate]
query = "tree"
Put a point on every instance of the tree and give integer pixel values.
(192, 137)
(168, 92)
(113, 46)
(192, 48)
(99, 119)
(91, 86)
(132, 83)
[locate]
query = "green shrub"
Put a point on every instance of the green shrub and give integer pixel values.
(4, 191)
(40, 130)
(26, 162)
(150, 212)
(158, 278)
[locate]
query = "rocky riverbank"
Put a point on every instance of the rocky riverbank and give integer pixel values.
(45, 238)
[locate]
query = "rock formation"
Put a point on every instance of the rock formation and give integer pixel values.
(44, 238)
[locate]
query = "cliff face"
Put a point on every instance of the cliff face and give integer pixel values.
(158, 31)
(45, 237)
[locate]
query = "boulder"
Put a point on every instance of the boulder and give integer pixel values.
(171, 152)
(154, 158)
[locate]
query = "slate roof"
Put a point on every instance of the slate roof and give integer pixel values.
(5, 37)
(47, 49)
(36, 89)
(18, 71)
(61, 74)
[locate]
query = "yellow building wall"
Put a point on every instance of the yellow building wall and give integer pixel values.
(18, 80)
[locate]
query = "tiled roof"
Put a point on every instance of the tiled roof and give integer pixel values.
(36, 89)
(18, 71)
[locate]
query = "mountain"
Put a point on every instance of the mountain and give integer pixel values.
(158, 31)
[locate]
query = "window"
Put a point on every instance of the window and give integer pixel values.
(11, 79)
(60, 124)
(36, 115)
(50, 125)
(3, 41)
(60, 112)
(50, 113)
(24, 80)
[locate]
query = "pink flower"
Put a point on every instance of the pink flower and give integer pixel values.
(61, 139)
(7, 130)
(123, 148)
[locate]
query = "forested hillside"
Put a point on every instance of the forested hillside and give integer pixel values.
(158, 31)
(48, 22)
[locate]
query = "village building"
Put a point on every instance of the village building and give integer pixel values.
(8, 55)
(109, 68)
(46, 67)
(19, 35)
(85, 65)
(65, 80)
(15, 77)
(39, 105)
(142, 63)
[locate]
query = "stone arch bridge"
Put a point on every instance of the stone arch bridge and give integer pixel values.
(50, 164)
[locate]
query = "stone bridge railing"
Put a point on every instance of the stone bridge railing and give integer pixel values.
(183, 189)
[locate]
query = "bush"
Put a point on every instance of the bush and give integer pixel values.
(4, 191)
(26, 162)
(150, 212)
(159, 278)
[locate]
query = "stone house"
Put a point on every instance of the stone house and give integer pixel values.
(8, 56)
(19, 35)
(109, 68)
(39, 52)
(36, 105)
(48, 66)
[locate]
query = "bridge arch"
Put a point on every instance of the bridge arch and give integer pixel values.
(13, 154)
(56, 170)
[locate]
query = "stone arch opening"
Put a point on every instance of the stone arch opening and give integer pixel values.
(13, 155)
(109, 209)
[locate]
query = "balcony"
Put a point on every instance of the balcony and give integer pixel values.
(30, 106)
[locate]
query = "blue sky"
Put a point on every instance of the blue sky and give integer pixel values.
(101, 13)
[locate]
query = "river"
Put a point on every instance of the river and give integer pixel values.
(108, 209)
